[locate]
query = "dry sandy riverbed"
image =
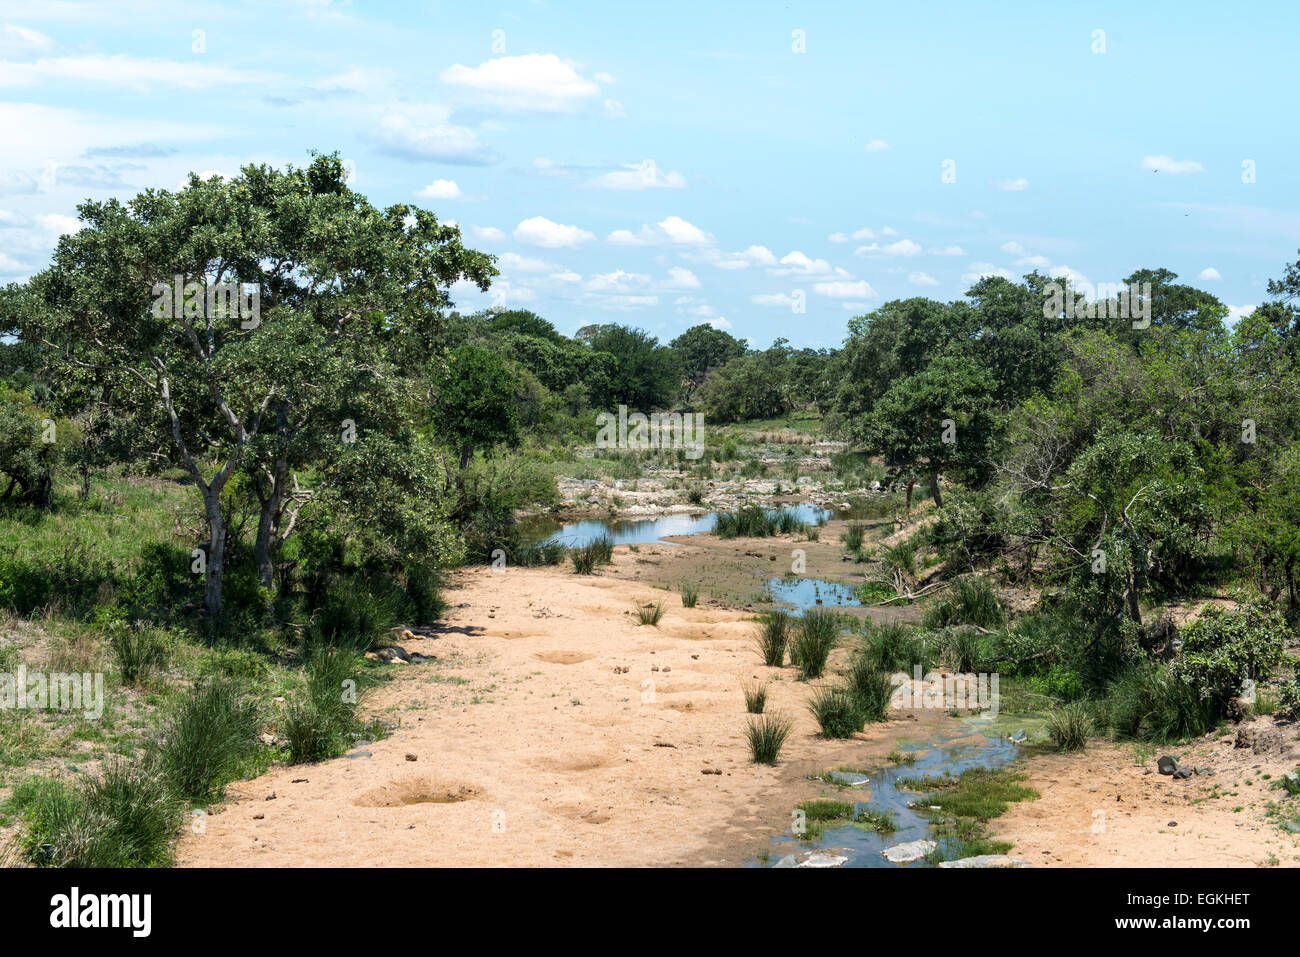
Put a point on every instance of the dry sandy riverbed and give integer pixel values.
(530, 748)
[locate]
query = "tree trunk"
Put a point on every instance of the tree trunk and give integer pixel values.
(268, 524)
(216, 553)
(934, 488)
(85, 483)
(910, 482)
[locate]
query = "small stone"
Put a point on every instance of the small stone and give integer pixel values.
(411, 757)
(1172, 824)
(1167, 764)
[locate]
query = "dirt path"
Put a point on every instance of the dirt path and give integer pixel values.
(530, 748)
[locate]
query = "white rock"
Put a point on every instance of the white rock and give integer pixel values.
(909, 852)
(986, 860)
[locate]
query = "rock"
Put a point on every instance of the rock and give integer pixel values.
(1182, 774)
(1167, 764)
(987, 860)
(819, 859)
(411, 757)
(849, 778)
(909, 852)
(1019, 736)
(1172, 824)
(788, 861)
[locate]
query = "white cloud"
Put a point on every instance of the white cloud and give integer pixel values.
(1012, 185)
(568, 275)
(679, 277)
(919, 278)
(750, 256)
(1035, 262)
(720, 323)
(540, 231)
(797, 263)
(875, 146)
(55, 225)
(614, 110)
(17, 42)
(487, 234)
(904, 247)
(845, 290)
(1065, 272)
(516, 263)
(1209, 272)
(535, 81)
(1167, 164)
(425, 133)
(978, 271)
(772, 299)
(1013, 248)
(1236, 313)
(671, 231)
(441, 189)
(111, 70)
(947, 251)
(603, 77)
(642, 175)
(617, 281)
(856, 235)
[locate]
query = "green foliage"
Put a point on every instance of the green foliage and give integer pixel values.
(320, 721)
(1224, 648)
(141, 649)
(970, 601)
(207, 737)
(1070, 727)
(772, 637)
(815, 634)
(690, 595)
(755, 696)
(766, 735)
(837, 712)
(649, 614)
(870, 687)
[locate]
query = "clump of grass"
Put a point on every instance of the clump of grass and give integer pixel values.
(766, 734)
(870, 819)
(979, 792)
(650, 614)
(124, 817)
(814, 636)
(586, 558)
(826, 809)
(853, 536)
(1070, 727)
(690, 595)
(320, 721)
(1152, 704)
(206, 739)
(870, 687)
(773, 636)
(532, 554)
(584, 562)
(970, 601)
(141, 650)
(901, 758)
(895, 647)
(837, 712)
(755, 696)
(961, 648)
(356, 614)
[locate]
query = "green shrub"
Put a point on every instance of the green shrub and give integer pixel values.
(970, 601)
(961, 648)
(870, 687)
(140, 649)
(424, 594)
(766, 734)
(895, 647)
(755, 696)
(854, 533)
(773, 636)
(320, 721)
(1224, 648)
(837, 712)
(1150, 703)
(815, 635)
(1070, 727)
(649, 614)
(207, 738)
(355, 614)
(690, 595)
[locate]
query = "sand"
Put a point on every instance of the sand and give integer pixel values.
(526, 744)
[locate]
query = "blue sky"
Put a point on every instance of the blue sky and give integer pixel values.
(666, 164)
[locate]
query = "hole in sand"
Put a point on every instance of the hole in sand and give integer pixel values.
(563, 657)
(418, 791)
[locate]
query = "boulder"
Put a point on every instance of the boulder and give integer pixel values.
(986, 860)
(1167, 764)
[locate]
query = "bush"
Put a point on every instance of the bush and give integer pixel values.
(755, 696)
(140, 649)
(1150, 703)
(766, 734)
(1070, 727)
(971, 601)
(424, 593)
(961, 648)
(773, 636)
(815, 635)
(207, 738)
(649, 614)
(690, 595)
(1225, 648)
(854, 533)
(837, 712)
(894, 647)
(355, 614)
